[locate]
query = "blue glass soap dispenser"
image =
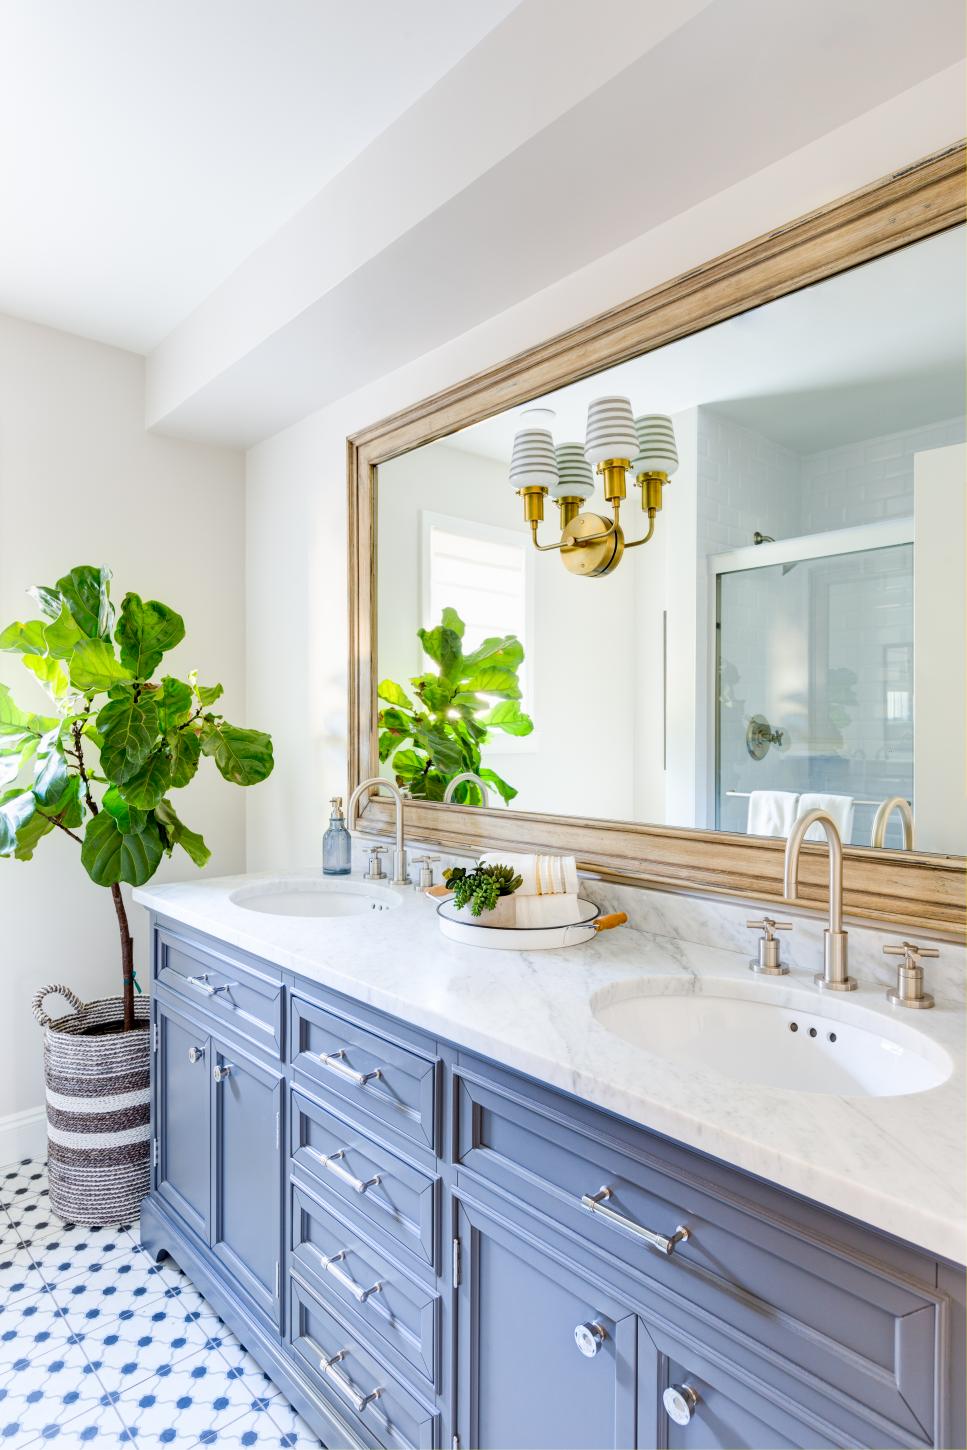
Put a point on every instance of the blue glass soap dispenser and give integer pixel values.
(336, 843)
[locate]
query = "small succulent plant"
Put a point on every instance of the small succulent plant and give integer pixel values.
(481, 888)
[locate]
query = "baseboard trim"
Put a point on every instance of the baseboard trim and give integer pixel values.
(23, 1135)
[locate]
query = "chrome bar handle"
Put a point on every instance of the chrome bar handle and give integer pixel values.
(330, 1263)
(665, 1244)
(358, 1401)
(331, 1060)
(359, 1185)
(204, 985)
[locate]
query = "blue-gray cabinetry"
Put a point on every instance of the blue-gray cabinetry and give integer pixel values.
(424, 1249)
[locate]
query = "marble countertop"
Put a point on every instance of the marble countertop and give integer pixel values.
(897, 1163)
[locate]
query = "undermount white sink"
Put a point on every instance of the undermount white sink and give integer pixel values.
(782, 1041)
(315, 896)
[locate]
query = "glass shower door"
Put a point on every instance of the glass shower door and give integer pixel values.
(815, 683)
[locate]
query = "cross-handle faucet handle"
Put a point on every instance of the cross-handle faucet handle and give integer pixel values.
(375, 871)
(910, 950)
(908, 991)
(767, 961)
(425, 864)
(770, 927)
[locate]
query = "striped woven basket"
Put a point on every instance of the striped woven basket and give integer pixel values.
(98, 1104)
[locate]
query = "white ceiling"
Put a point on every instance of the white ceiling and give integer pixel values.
(872, 351)
(148, 148)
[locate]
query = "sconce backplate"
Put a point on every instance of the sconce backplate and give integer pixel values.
(595, 558)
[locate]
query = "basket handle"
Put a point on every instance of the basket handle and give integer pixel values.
(55, 989)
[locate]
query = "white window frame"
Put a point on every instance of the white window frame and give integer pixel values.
(499, 744)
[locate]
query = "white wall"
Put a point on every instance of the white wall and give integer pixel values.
(82, 482)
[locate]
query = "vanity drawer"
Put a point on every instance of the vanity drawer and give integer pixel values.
(866, 1331)
(248, 1001)
(358, 1382)
(374, 1185)
(367, 1287)
(393, 1084)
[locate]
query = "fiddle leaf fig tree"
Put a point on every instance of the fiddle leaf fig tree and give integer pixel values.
(101, 766)
(436, 730)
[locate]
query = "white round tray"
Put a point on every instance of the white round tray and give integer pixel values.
(460, 926)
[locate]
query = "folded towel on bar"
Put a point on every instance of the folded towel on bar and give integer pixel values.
(840, 807)
(772, 812)
(540, 875)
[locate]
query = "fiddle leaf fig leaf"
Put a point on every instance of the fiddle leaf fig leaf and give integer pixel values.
(242, 756)
(443, 647)
(16, 809)
(110, 853)
(174, 703)
(145, 632)
(185, 750)
(24, 639)
(50, 777)
(494, 681)
(94, 667)
(48, 601)
(128, 727)
(394, 694)
(126, 815)
(51, 673)
(452, 620)
(145, 789)
(87, 593)
(178, 834)
(507, 792)
(62, 635)
(508, 716)
(19, 730)
(208, 694)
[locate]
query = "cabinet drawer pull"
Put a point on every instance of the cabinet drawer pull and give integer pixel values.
(330, 1262)
(332, 1061)
(594, 1203)
(195, 1054)
(328, 1161)
(204, 985)
(358, 1401)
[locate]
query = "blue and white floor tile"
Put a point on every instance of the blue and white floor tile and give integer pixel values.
(101, 1347)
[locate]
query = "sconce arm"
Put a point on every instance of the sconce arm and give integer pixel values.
(633, 544)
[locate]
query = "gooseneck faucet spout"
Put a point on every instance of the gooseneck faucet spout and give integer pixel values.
(835, 977)
(482, 786)
(881, 820)
(401, 876)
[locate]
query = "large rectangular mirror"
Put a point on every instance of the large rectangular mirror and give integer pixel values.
(789, 634)
(681, 597)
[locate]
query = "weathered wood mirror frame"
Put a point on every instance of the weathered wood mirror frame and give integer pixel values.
(910, 890)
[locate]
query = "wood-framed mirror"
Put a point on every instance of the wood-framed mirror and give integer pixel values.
(787, 338)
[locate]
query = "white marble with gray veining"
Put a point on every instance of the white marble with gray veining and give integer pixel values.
(897, 1163)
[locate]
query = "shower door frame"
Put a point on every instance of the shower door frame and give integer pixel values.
(803, 548)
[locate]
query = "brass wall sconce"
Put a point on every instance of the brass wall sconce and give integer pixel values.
(616, 444)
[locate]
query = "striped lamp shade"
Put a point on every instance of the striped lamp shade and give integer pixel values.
(611, 430)
(532, 461)
(575, 478)
(656, 451)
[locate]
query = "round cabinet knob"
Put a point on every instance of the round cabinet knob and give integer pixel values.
(219, 1073)
(589, 1338)
(680, 1402)
(195, 1054)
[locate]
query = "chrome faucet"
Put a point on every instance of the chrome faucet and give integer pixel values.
(401, 876)
(466, 775)
(835, 977)
(881, 820)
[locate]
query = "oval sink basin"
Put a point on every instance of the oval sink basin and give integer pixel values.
(736, 1030)
(309, 896)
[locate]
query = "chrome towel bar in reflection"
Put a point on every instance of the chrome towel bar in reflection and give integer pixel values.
(744, 795)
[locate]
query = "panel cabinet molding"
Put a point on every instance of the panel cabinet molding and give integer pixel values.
(912, 891)
(425, 1294)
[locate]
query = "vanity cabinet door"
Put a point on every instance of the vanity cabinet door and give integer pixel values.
(183, 1105)
(247, 1204)
(522, 1381)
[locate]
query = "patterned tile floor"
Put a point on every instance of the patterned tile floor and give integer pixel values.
(100, 1346)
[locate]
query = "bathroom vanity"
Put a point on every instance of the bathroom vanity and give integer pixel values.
(445, 1203)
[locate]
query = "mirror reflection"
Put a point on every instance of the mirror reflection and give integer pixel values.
(714, 586)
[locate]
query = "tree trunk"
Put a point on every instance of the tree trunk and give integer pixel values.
(127, 958)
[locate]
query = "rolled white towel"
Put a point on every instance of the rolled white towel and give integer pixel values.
(540, 875)
(772, 812)
(840, 807)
